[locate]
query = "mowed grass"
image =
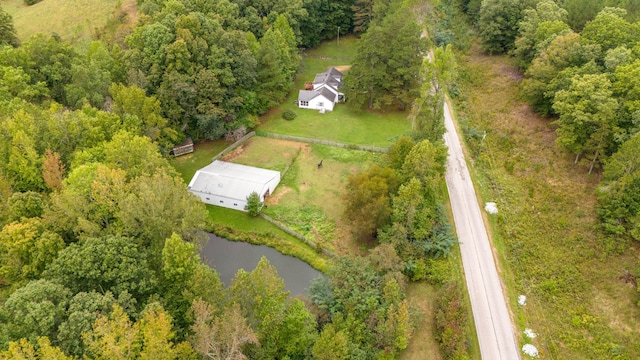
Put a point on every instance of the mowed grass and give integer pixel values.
(546, 230)
(309, 199)
(344, 123)
(72, 20)
(188, 164)
(238, 225)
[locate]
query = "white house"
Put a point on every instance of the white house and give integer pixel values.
(228, 185)
(325, 93)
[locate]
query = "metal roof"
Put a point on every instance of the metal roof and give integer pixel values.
(231, 180)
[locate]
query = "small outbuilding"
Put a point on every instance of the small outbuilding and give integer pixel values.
(185, 147)
(228, 185)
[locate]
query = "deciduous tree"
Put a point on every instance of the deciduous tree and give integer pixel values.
(588, 122)
(619, 194)
(34, 310)
(112, 263)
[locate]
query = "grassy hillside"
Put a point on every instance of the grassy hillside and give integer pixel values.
(72, 20)
(578, 302)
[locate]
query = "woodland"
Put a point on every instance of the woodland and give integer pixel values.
(99, 237)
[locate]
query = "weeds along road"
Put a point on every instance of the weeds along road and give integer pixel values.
(493, 323)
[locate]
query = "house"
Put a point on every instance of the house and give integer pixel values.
(228, 185)
(325, 92)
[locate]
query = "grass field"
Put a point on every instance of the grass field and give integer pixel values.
(577, 300)
(238, 225)
(344, 124)
(72, 20)
(308, 199)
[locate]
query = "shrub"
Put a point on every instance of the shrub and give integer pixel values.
(451, 320)
(289, 115)
(31, 2)
(254, 205)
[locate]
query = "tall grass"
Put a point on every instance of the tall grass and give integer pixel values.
(71, 20)
(545, 232)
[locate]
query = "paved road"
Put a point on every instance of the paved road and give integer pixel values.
(493, 324)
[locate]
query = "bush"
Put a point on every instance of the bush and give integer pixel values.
(254, 205)
(289, 115)
(451, 320)
(31, 2)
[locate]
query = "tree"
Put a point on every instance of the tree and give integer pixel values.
(141, 114)
(549, 70)
(325, 18)
(117, 337)
(34, 310)
(8, 34)
(451, 320)
(220, 337)
(254, 204)
(90, 77)
(23, 168)
(112, 263)
(425, 162)
(362, 15)
(28, 204)
(386, 68)
(84, 309)
(537, 25)
(52, 170)
(427, 114)
(498, 24)
(609, 30)
(368, 199)
(399, 151)
(157, 206)
(618, 195)
(331, 345)
(26, 249)
(113, 337)
(587, 122)
(23, 350)
(16, 83)
(284, 328)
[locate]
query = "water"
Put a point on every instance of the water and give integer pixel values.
(227, 257)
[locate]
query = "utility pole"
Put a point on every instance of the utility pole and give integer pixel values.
(338, 35)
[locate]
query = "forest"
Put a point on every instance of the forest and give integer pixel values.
(99, 237)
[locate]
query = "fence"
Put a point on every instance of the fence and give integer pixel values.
(323, 142)
(233, 146)
(295, 234)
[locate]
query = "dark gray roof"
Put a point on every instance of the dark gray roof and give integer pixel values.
(331, 77)
(308, 95)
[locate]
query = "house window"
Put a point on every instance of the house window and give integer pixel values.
(234, 204)
(321, 104)
(304, 103)
(208, 199)
(221, 202)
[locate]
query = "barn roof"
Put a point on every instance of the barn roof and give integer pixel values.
(231, 180)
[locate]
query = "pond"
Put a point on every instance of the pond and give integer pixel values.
(227, 257)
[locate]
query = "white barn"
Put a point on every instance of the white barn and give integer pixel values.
(228, 185)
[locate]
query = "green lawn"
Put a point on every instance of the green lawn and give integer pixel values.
(188, 164)
(344, 124)
(72, 20)
(308, 199)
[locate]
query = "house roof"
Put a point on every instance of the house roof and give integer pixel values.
(231, 180)
(308, 95)
(331, 77)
